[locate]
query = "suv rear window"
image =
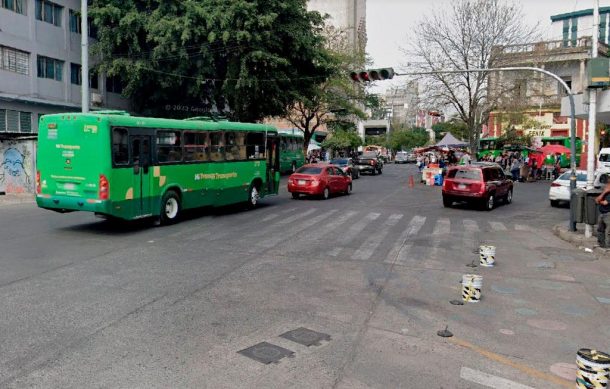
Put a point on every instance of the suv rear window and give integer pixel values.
(468, 174)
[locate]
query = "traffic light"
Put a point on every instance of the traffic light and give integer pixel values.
(373, 75)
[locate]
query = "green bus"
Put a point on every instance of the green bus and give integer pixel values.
(129, 167)
(291, 150)
(488, 146)
(564, 141)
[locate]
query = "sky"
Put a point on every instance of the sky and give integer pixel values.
(390, 23)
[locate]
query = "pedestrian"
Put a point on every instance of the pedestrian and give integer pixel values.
(514, 169)
(603, 225)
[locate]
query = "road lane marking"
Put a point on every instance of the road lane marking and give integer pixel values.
(354, 230)
(442, 227)
(270, 217)
(492, 381)
(401, 248)
(497, 226)
(334, 252)
(368, 247)
(295, 217)
(328, 227)
(471, 225)
(515, 365)
(293, 230)
(521, 227)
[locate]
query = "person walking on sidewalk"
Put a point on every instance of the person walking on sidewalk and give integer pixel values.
(603, 225)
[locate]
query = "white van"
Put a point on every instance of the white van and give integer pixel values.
(603, 160)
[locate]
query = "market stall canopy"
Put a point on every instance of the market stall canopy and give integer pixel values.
(313, 145)
(554, 149)
(451, 141)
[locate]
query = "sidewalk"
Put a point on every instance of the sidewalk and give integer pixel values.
(578, 239)
(16, 198)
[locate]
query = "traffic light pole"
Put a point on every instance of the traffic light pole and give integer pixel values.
(572, 225)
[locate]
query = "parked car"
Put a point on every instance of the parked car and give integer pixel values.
(319, 180)
(401, 157)
(369, 162)
(481, 184)
(560, 188)
(347, 165)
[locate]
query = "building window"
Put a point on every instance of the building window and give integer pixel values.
(49, 12)
(15, 121)
(566, 32)
(114, 85)
(561, 90)
(75, 24)
(93, 79)
(521, 89)
(14, 5)
(75, 74)
(602, 28)
(50, 68)
(14, 60)
(574, 31)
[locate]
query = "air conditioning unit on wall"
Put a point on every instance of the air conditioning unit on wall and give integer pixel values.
(96, 98)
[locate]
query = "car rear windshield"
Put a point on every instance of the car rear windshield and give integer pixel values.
(370, 154)
(339, 161)
(469, 174)
(309, 170)
(604, 157)
(579, 176)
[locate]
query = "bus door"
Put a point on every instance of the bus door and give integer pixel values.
(273, 163)
(142, 175)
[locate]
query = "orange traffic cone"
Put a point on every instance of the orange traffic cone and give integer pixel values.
(411, 181)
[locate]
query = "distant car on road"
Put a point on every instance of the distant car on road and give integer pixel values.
(319, 180)
(369, 162)
(560, 188)
(483, 184)
(348, 167)
(401, 157)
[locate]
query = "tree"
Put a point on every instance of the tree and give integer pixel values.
(407, 139)
(247, 59)
(466, 36)
(335, 97)
(456, 127)
(342, 140)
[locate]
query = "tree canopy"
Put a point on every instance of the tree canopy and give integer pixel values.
(405, 139)
(247, 59)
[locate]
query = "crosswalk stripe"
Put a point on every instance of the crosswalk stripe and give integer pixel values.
(334, 252)
(293, 230)
(354, 230)
(521, 227)
(296, 216)
(470, 225)
(442, 226)
(270, 217)
(329, 227)
(401, 248)
(368, 247)
(497, 226)
(489, 380)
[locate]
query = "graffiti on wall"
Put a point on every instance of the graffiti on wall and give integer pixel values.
(16, 166)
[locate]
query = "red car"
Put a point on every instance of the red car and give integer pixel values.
(480, 183)
(319, 180)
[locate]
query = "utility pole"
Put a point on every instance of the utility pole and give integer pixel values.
(84, 43)
(592, 112)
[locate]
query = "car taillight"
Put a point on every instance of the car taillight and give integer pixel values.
(315, 183)
(555, 184)
(104, 188)
(38, 186)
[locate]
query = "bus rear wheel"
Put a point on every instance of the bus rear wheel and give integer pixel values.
(170, 208)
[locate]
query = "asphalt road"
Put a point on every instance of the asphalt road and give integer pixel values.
(89, 303)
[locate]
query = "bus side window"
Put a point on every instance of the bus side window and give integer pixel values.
(216, 146)
(255, 145)
(169, 146)
(120, 146)
(232, 146)
(196, 146)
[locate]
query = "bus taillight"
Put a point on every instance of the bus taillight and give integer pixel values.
(104, 188)
(38, 187)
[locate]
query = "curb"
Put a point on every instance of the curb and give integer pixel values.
(15, 199)
(580, 241)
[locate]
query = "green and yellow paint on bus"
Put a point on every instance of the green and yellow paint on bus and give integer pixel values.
(131, 167)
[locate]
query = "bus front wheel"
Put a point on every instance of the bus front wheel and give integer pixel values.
(170, 208)
(253, 197)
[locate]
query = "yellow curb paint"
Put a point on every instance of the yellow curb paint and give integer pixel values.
(129, 194)
(515, 365)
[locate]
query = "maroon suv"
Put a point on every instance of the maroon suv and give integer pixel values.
(480, 183)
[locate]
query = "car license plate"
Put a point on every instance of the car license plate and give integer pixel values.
(301, 182)
(461, 186)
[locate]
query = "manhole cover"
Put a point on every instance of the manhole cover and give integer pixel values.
(305, 336)
(266, 352)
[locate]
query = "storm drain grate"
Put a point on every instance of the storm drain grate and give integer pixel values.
(305, 336)
(266, 352)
